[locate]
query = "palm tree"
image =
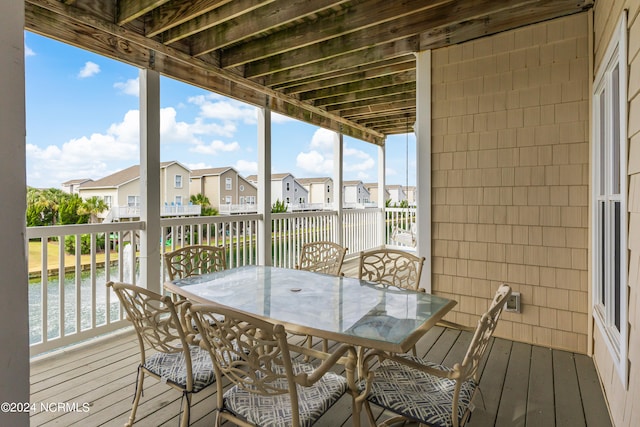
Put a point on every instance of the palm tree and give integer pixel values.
(92, 207)
(203, 201)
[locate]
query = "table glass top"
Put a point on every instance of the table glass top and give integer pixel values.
(338, 305)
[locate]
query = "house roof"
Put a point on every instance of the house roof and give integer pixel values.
(345, 65)
(76, 181)
(122, 177)
(352, 183)
(274, 177)
(317, 180)
(197, 173)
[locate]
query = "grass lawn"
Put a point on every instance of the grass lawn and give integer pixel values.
(35, 257)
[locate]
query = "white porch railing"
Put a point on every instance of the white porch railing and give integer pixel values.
(292, 230)
(360, 229)
(400, 222)
(128, 212)
(68, 301)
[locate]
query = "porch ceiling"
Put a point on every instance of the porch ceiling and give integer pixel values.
(346, 65)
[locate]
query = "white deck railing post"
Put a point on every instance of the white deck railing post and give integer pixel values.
(264, 186)
(423, 166)
(338, 153)
(14, 359)
(150, 179)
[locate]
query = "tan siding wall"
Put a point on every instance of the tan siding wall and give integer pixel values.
(623, 402)
(510, 178)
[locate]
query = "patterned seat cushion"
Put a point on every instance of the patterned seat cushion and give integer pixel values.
(272, 411)
(172, 368)
(417, 395)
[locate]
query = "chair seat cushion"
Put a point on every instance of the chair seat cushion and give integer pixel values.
(417, 395)
(172, 368)
(275, 410)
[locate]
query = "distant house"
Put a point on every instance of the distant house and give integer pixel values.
(372, 188)
(320, 189)
(411, 192)
(121, 191)
(286, 188)
(355, 193)
(224, 188)
(73, 186)
(396, 194)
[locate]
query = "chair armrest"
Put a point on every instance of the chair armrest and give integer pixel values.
(381, 356)
(448, 324)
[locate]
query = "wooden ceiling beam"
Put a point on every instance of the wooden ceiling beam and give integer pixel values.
(367, 94)
(520, 16)
(128, 10)
(178, 12)
(395, 49)
(360, 86)
(317, 84)
(217, 16)
(406, 26)
(257, 21)
(80, 28)
(366, 19)
(360, 108)
(286, 79)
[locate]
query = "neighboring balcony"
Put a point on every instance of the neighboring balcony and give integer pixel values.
(118, 213)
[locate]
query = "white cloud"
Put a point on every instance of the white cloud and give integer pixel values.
(130, 87)
(90, 69)
(323, 139)
(215, 147)
(216, 107)
(315, 162)
(357, 160)
(201, 165)
(28, 51)
(279, 118)
(245, 167)
(390, 171)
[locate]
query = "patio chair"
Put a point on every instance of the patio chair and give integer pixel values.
(322, 257)
(185, 367)
(193, 260)
(270, 386)
(391, 267)
(426, 392)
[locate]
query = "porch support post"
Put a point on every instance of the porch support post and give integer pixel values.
(338, 199)
(423, 166)
(150, 179)
(14, 376)
(382, 232)
(264, 186)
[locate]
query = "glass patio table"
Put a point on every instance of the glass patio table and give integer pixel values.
(342, 309)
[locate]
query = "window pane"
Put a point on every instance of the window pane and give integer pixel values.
(617, 274)
(602, 124)
(603, 259)
(615, 128)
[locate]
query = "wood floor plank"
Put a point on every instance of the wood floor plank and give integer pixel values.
(552, 386)
(595, 407)
(540, 400)
(569, 412)
(491, 383)
(512, 411)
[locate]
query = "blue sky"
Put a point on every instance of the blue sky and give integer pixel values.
(83, 113)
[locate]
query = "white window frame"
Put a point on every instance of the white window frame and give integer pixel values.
(228, 183)
(227, 200)
(178, 200)
(604, 314)
(178, 181)
(108, 201)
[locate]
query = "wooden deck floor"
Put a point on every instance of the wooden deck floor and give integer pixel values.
(521, 385)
